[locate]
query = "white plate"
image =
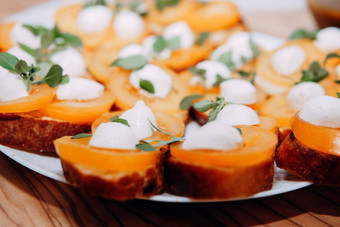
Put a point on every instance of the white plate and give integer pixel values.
(51, 167)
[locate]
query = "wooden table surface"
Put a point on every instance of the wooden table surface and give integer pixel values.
(30, 199)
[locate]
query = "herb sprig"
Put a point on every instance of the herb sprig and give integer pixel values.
(28, 74)
(215, 106)
(161, 4)
(90, 3)
(202, 37)
(119, 120)
(188, 100)
(250, 76)
(314, 73)
(160, 44)
(133, 62)
(304, 34)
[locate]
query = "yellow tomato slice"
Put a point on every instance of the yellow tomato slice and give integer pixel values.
(79, 152)
(259, 145)
(319, 138)
(173, 125)
(40, 96)
(80, 111)
(5, 40)
(267, 72)
(126, 95)
(213, 16)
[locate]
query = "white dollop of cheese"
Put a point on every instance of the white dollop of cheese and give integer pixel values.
(20, 34)
(302, 92)
(139, 118)
(238, 91)
(328, 39)
(79, 89)
(182, 30)
(236, 114)
(128, 25)
(113, 135)
(11, 86)
(322, 110)
(215, 135)
(160, 80)
(239, 45)
(71, 61)
(338, 70)
(94, 19)
(212, 69)
(22, 55)
(288, 60)
(133, 49)
(148, 45)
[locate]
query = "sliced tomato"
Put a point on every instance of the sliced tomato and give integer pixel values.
(259, 145)
(79, 152)
(213, 16)
(5, 40)
(80, 111)
(316, 137)
(40, 96)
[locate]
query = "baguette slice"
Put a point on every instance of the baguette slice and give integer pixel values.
(205, 182)
(32, 132)
(115, 185)
(309, 164)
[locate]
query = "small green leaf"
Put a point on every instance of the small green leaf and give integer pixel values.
(314, 73)
(119, 120)
(81, 135)
(187, 101)
(145, 147)
(159, 45)
(90, 3)
(54, 76)
(27, 49)
(8, 61)
(202, 37)
(226, 58)
(239, 130)
(219, 80)
(134, 62)
(161, 4)
(337, 81)
(331, 55)
(338, 94)
(147, 86)
(173, 43)
(21, 67)
(303, 34)
(71, 39)
(254, 48)
(46, 40)
(203, 105)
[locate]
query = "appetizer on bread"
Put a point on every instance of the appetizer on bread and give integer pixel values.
(123, 159)
(311, 150)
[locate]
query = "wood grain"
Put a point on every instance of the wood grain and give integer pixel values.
(30, 199)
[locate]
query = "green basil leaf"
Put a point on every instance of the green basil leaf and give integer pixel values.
(145, 147)
(81, 135)
(331, 55)
(71, 39)
(21, 67)
(219, 80)
(254, 49)
(173, 43)
(119, 120)
(54, 76)
(147, 86)
(159, 45)
(203, 105)
(46, 40)
(202, 37)
(187, 101)
(27, 49)
(161, 4)
(134, 62)
(8, 61)
(226, 58)
(303, 34)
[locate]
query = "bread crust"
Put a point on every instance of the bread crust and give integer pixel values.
(30, 132)
(205, 182)
(309, 164)
(118, 186)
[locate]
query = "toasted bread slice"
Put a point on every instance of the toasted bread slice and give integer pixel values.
(309, 164)
(115, 185)
(205, 182)
(32, 132)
